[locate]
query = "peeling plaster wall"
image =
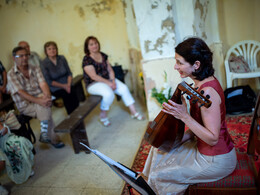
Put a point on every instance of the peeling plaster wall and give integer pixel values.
(66, 22)
(132, 30)
(164, 24)
(156, 28)
(206, 27)
(157, 39)
(134, 50)
(183, 12)
(160, 23)
(201, 10)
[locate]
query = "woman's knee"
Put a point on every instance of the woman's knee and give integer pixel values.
(123, 89)
(108, 96)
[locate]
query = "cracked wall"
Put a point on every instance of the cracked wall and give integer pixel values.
(162, 25)
(66, 22)
(156, 28)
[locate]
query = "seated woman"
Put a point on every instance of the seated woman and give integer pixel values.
(100, 80)
(206, 152)
(16, 157)
(57, 74)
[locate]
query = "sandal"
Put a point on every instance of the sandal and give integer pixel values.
(137, 116)
(105, 122)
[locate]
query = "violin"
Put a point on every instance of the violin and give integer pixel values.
(165, 131)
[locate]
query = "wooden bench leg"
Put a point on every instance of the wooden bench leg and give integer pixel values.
(79, 135)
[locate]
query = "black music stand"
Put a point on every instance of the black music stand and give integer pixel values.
(128, 175)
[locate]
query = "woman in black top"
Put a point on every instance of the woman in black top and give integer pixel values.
(100, 80)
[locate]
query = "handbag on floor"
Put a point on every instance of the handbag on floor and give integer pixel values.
(240, 99)
(119, 72)
(10, 120)
(18, 125)
(120, 75)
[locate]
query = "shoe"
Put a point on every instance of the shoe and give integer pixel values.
(137, 116)
(58, 145)
(105, 122)
(44, 138)
(32, 173)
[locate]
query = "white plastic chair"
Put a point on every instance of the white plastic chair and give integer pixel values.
(249, 49)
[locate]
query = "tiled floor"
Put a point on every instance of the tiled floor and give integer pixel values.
(60, 171)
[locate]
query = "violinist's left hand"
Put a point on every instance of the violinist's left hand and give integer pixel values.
(179, 111)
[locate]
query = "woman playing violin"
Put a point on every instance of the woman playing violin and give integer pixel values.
(206, 152)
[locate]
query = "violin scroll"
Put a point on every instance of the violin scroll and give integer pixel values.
(194, 94)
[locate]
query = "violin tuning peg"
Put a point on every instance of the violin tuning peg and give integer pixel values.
(190, 84)
(188, 97)
(208, 96)
(196, 88)
(201, 105)
(183, 92)
(202, 92)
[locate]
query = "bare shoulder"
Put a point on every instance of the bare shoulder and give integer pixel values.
(213, 94)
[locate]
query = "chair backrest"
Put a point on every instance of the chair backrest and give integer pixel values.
(248, 49)
(254, 134)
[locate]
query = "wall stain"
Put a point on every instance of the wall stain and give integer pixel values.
(154, 6)
(168, 23)
(49, 9)
(169, 8)
(124, 4)
(194, 29)
(8, 1)
(25, 4)
(203, 9)
(159, 44)
(199, 6)
(124, 7)
(204, 35)
(80, 11)
(101, 7)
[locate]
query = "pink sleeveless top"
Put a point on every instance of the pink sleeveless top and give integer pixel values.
(225, 144)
